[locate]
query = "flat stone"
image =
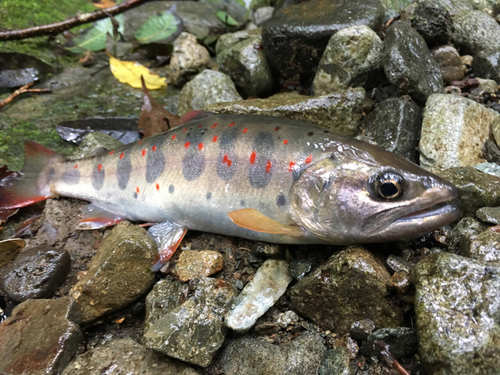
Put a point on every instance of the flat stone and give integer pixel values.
(450, 63)
(188, 59)
(352, 58)
(402, 340)
(476, 31)
(127, 357)
(40, 337)
(338, 112)
(267, 286)
(489, 168)
(35, 273)
(349, 287)
(118, 274)
(454, 130)
(457, 304)
(193, 264)
(489, 214)
(484, 247)
(433, 22)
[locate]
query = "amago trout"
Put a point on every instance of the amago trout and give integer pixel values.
(257, 177)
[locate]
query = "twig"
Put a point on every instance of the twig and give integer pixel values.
(58, 27)
(383, 349)
(22, 90)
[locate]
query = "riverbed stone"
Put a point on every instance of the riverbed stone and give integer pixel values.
(188, 59)
(193, 264)
(207, 88)
(486, 64)
(40, 337)
(118, 274)
(127, 357)
(476, 31)
(262, 14)
(360, 329)
(483, 247)
(228, 40)
(454, 130)
(353, 57)
(433, 22)
(489, 168)
(489, 215)
(249, 356)
(338, 112)
(194, 330)
(402, 340)
(93, 142)
(408, 63)
(337, 361)
(349, 287)
(495, 125)
(267, 286)
(35, 273)
(298, 268)
(466, 230)
(395, 126)
(295, 38)
(400, 281)
(450, 63)
(457, 305)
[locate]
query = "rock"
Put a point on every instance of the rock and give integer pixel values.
(408, 63)
(118, 274)
(188, 59)
(433, 22)
(249, 356)
(9, 249)
(263, 14)
(35, 273)
(267, 286)
(475, 189)
(193, 264)
(489, 215)
(466, 229)
(349, 287)
(267, 250)
(361, 329)
(489, 168)
(338, 112)
(400, 281)
(296, 36)
(395, 126)
(402, 340)
(496, 129)
(247, 66)
(488, 85)
(458, 332)
(393, 8)
(228, 40)
(299, 268)
(127, 357)
(353, 57)
(194, 330)
(287, 318)
(491, 151)
(476, 31)
(397, 263)
(450, 63)
(337, 361)
(484, 247)
(40, 337)
(207, 88)
(93, 143)
(454, 130)
(486, 64)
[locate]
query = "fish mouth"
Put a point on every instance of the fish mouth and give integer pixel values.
(438, 211)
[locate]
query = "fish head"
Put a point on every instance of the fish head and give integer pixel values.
(361, 194)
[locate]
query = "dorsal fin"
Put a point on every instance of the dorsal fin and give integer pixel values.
(195, 115)
(255, 220)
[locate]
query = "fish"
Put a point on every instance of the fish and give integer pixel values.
(257, 177)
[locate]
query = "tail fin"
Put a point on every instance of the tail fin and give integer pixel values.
(34, 184)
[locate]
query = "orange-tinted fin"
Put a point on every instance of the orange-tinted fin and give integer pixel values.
(195, 115)
(168, 237)
(255, 220)
(34, 183)
(94, 217)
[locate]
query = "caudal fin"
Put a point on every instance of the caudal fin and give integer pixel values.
(34, 184)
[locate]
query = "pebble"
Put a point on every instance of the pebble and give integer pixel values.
(483, 247)
(337, 361)
(489, 215)
(450, 63)
(35, 273)
(267, 286)
(40, 337)
(299, 268)
(228, 40)
(488, 85)
(193, 264)
(188, 59)
(287, 318)
(9, 249)
(263, 14)
(496, 129)
(489, 168)
(397, 263)
(476, 31)
(360, 329)
(267, 250)
(433, 22)
(400, 281)
(118, 274)
(402, 340)
(466, 229)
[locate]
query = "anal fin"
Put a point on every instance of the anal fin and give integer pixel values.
(250, 218)
(168, 237)
(94, 217)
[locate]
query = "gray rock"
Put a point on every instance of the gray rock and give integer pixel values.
(449, 62)
(337, 362)
(294, 43)
(207, 88)
(491, 151)
(402, 340)
(393, 8)
(400, 281)
(466, 229)
(228, 40)
(267, 286)
(40, 337)
(194, 330)
(188, 59)
(395, 126)
(127, 357)
(93, 143)
(489, 168)
(263, 14)
(433, 22)
(484, 247)
(337, 112)
(454, 130)
(488, 85)
(267, 250)
(35, 273)
(361, 329)
(397, 263)
(408, 63)
(247, 66)
(251, 356)
(475, 32)
(496, 129)
(299, 268)
(287, 318)
(193, 263)
(486, 64)
(489, 215)
(349, 287)
(458, 329)
(118, 274)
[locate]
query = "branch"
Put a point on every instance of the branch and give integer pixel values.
(22, 90)
(388, 358)
(58, 27)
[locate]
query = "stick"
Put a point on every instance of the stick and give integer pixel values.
(22, 90)
(383, 349)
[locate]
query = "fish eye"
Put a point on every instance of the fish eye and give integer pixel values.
(387, 185)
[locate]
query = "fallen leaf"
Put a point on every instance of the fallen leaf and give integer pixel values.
(9, 249)
(130, 72)
(154, 118)
(95, 38)
(103, 4)
(163, 27)
(226, 18)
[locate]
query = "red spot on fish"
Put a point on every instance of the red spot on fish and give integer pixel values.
(268, 166)
(200, 125)
(187, 144)
(137, 189)
(122, 155)
(139, 142)
(309, 159)
(285, 141)
(231, 124)
(153, 148)
(183, 130)
(252, 157)
(245, 130)
(291, 165)
(76, 166)
(111, 152)
(200, 146)
(99, 167)
(143, 152)
(214, 126)
(158, 187)
(277, 128)
(226, 160)
(214, 139)
(173, 137)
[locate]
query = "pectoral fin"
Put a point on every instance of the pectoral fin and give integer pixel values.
(94, 217)
(255, 220)
(168, 237)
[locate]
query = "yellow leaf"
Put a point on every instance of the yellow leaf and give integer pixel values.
(130, 72)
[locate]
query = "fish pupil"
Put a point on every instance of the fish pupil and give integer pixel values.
(388, 189)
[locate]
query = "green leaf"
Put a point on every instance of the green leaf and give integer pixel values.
(157, 28)
(242, 2)
(226, 18)
(95, 38)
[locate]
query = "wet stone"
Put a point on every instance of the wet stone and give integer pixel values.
(489, 215)
(127, 357)
(40, 337)
(193, 264)
(464, 231)
(299, 268)
(397, 263)
(402, 340)
(361, 329)
(118, 274)
(267, 250)
(93, 143)
(489, 168)
(408, 63)
(496, 129)
(476, 31)
(228, 40)
(483, 247)
(337, 361)
(267, 286)
(448, 59)
(459, 331)
(454, 130)
(348, 287)
(249, 356)
(433, 22)
(287, 318)
(261, 15)
(400, 281)
(188, 59)
(194, 330)
(488, 85)
(486, 64)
